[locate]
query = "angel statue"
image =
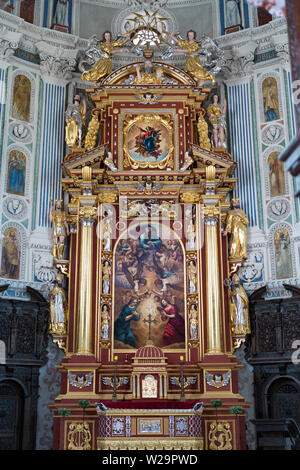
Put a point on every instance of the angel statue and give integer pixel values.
(217, 117)
(193, 65)
(103, 66)
(75, 122)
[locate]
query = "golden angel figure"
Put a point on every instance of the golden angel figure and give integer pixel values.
(217, 118)
(239, 308)
(193, 65)
(58, 308)
(236, 225)
(60, 228)
(103, 67)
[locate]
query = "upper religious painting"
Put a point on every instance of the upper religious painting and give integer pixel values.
(148, 141)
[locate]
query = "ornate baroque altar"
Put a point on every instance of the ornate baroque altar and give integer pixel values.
(150, 324)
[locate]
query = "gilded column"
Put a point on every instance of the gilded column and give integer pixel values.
(213, 291)
(84, 317)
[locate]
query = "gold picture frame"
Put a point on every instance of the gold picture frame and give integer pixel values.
(148, 141)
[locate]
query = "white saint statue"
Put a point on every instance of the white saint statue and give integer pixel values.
(61, 13)
(233, 16)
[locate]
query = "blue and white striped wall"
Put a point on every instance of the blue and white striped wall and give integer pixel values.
(3, 72)
(52, 149)
(242, 147)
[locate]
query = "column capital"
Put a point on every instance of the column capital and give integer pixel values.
(56, 62)
(9, 42)
(87, 215)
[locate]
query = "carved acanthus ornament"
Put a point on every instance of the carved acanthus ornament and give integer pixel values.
(9, 42)
(56, 62)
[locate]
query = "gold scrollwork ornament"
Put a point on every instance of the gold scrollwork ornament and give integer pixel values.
(79, 436)
(91, 137)
(220, 436)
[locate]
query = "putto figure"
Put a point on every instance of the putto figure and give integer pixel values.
(236, 225)
(60, 228)
(103, 66)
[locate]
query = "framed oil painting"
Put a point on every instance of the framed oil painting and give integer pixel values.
(149, 289)
(148, 141)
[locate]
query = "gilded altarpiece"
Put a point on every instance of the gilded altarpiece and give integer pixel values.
(150, 335)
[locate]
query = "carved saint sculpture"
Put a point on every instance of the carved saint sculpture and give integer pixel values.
(75, 122)
(236, 226)
(151, 75)
(192, 65)
(192, 272)
(190, 231)
(105, 323)
(193, 317)
(60, 228)
(188, 161)
(107, 231)
(239, 308)
(58, 308)
(233, 16)
(217, 118)
(61, 13)
(103, 66)
(106, 272)
(202, 127)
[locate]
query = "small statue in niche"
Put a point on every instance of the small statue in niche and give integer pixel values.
(58, 308)
(192, 272)
(108, 161)
(60, 228)
(105, 323)
(75, 122)
(239, 308)
(233, 16)
(202, 127)
(106, 272)
(193, 317)
(190, 231)
(107, 230)
(188, 161)
(60, 16)
(236, 225)
(217, 118)
(151, 75)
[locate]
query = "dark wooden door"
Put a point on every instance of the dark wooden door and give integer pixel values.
(11, 415)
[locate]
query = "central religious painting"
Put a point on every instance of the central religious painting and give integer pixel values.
(148, 141)
(149, 288)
